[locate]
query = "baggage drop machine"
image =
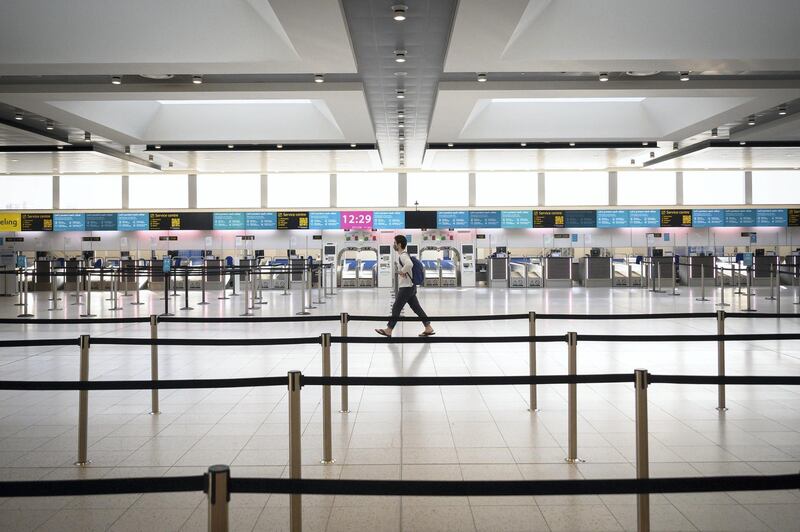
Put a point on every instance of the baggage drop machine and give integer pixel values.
(442, 266)
(385, 266)
(357, 267)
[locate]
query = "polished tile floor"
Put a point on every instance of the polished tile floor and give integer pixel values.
(448, 433)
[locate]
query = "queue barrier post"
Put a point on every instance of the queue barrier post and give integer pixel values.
(721, 360)
(77, 294)
(186, 290)
(83, 403)
(722, 288)
(771, 284)
(246, 300)
(303, 308)
(137, 288)
(175, 282)
(672, 274)
(778, 298)
(19, 287)
(749, 290)
(25, 313)
(203, 275)
(166, 296)
(295, 472)
(219, 495)
(88, 313)
(309, 287)
(795, 283)
(344, 320)
(54, 292)
(115, 289)
(642, 450)
(327, 446)
(224, 293)
(532, 400)
(572, 399)
(154, 364)
(702, 283)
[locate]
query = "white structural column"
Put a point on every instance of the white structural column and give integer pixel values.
(402, 189)
(540, 183)
(748, 188)
(192, 191)
(678, 188)
(126, 188)
(472, 190)
(334, 198)
(612, 188)
(264, 190)
(56, 192)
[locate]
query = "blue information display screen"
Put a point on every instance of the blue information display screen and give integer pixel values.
(101, 221)
(771, 217)
(69, 222)
(324, 220)
(740, 217)
(133, 221)
(229, 221)
(516, 219)
(614, 218)
(261, 220)
(389, 220)
(484, 219)
(709, 217)
(452, 220)
(580, 218)
(645, 218)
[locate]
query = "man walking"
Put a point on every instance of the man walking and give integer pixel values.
(407, 281)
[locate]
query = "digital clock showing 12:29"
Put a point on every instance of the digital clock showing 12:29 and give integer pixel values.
(356, 220)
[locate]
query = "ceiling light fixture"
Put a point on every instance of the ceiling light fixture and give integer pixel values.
(50, 125)
(197, 80)
(352, 145)
(87, 136)
(674, 145)
(684, 76)
(401, 124)
(714, 132)
(742, 143)
(652, 154)
(60, 147)
(18, 115)
(782, 110)
(603, 76)
(633, 161)
(401, 93)
(399, 12)
(401, 113)
(752, 120)
(449, 144)
(279, 146)
(571, 143)
(170, 164)
(116, 80)
(482, 78)
(523, 144)
(230, 146)
(158, 146)
(400, 56)
(319, 78)
(150, 157)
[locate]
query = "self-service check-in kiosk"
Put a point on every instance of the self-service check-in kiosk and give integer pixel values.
(384, 266)
(467, 265)
(497, 268)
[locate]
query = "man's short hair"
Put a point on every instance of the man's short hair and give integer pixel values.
(401, 241)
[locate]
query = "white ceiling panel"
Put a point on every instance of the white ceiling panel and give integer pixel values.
(734, 158)
(56, 163)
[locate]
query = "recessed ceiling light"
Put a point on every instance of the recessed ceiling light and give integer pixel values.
(116, 80)
(319, 78)
(571, 143)
(158, 146)
(170, 164)
(50, 125)
(150, 157)
(523, 144)
(684, 76)
(482, 77)
(197, 80)
(714, 132)
(603, 76)
(633, 161)
(449, 144)
(87, 136)
(352, 145)
(18, 115)
(742, 143)
(400, 56)
(60, 147)
(674, 145)
(399, 12)
(401, 93)
(752, 120)
(652, 154)
(401, 113)
(279, 146)
(782, 110)
(230, 146)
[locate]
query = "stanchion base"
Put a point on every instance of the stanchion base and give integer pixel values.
(116, 308)
(676, 293)
(88, 315)
(53, 309)
(344, 411)
(186, 308)
(701, 299)
(721, 409)
(139, 303)
(319, 302)
(24, 315)
(19, 304)
(770, 298)
(723, 305)
(82, 464)
(331, 461)
(748, 310)
(204, 303)
(154, 413)
(304, 313)
(246, 314)
(534, 410)
(167, 314)
(574, 460)
(223, 297)
(311, 307)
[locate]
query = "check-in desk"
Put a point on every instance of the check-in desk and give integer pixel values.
(131, 274)
(497, 272)
(662, 268)
(693, 270)
(595, 272)
(155, 276)
(42, 277)
(558, 272)
(763, 266)
(214, 271)
(790, 268)
(73, 277)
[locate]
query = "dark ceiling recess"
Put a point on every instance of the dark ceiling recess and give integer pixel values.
(424, 35)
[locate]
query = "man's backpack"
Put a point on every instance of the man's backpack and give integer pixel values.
(417, 272)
